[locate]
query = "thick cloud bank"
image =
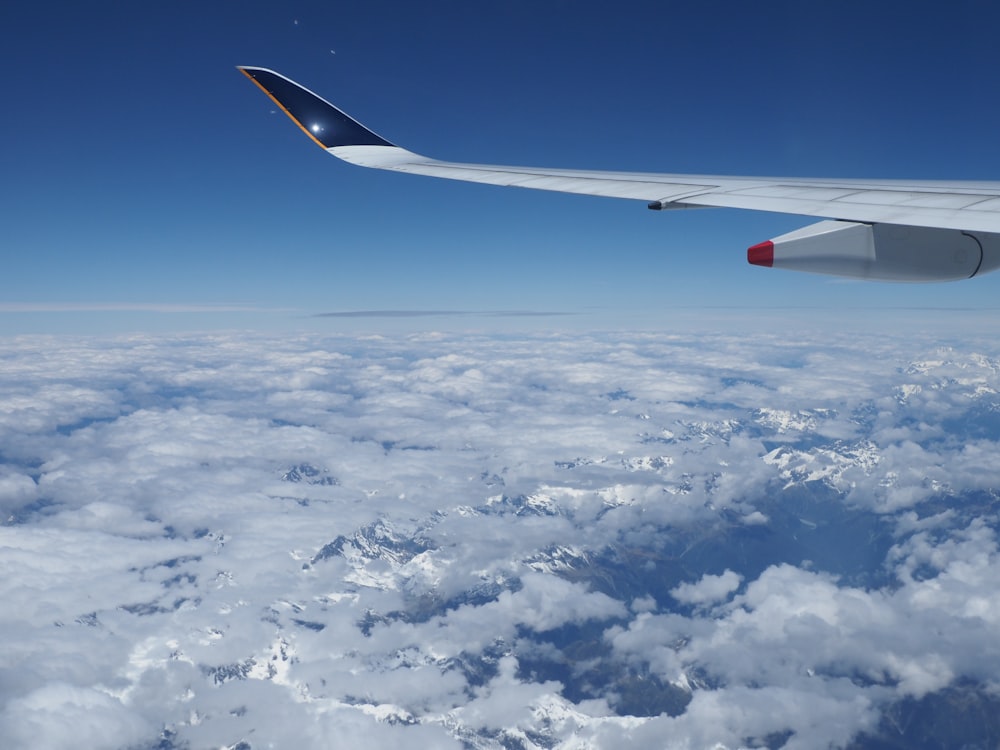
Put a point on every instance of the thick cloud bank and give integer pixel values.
(472, 541)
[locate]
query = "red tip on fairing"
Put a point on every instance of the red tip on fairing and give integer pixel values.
(761, 254)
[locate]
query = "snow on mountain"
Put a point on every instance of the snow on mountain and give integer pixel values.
(707, 431)
(647, 463)
(309, 474)
(535, 504)
(378, 540)
(782, 421)
(382, 557)
(831, 465)
(559, 559)
(975, 374)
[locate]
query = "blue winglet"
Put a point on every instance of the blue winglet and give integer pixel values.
(326, 125)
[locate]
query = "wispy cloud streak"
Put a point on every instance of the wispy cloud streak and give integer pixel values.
(156, 307)
(441, 313)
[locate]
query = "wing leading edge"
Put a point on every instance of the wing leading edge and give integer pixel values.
(887, 230)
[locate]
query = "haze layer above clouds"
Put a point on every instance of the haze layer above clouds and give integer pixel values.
(462, 540)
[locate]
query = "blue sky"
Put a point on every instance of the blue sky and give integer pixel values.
(139, 167)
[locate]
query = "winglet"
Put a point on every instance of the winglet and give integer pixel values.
(326, 125)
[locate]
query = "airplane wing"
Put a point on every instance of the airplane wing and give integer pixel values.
(884, 230)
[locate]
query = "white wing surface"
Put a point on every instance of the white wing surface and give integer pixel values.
(886, 230)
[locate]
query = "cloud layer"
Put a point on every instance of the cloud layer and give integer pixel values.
(459, 540)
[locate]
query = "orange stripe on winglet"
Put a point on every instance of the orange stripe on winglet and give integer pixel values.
(284, 109)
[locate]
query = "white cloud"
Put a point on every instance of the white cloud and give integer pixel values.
(439, 539)
(709, 589)
(58, 715)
